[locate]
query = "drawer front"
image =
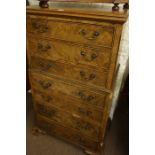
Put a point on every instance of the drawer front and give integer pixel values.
(68, 104)
(67, 52)
(80, 73)
(71, 31)
(68, 119)
(83, 95)
(62, 132)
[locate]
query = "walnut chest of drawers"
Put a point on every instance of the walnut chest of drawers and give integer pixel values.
(72, 56)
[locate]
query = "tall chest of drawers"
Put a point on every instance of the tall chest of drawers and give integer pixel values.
(72, 56)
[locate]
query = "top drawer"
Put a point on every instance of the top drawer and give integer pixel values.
(71, 31)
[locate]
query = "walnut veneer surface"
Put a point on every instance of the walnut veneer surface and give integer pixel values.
(72, 56)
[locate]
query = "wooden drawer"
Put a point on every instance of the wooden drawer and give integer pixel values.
(65, 133)
(68, 119)
(79, 72)
(84, 95)
(67, 52)
(71, 31)
(68, 104)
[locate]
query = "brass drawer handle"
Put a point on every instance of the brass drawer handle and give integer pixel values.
(47, 98)
(43, 48)
(40, 27)
(84, 111)
(96, 34)
(46, 111)
(84, 97)
(87, 35)
(45, 66)
(83, 32)
(90, 77)
(92, 57)
(43, 29)
(45, 85)
(35, 25)
(83, 53)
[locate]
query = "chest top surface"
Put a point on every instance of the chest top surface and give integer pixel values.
(104, 13)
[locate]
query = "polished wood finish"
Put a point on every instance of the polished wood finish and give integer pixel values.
(69, 104)
(66, 133)
(83, 126)
(73, 72)
(82, 15)
(84, 95)
(65, 52)
(81, 33)
(72, 56)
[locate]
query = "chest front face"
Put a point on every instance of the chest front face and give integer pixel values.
(71, 68)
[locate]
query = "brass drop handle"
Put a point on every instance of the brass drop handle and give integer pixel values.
(90, 98)
(44, 28)
(83, 32)
(86, 35)
(82, 73)
(46, 111)
(36, 25)
(45, 85)
(43, 48)
(90, 57)
(45, 66)
(90, 77)
(84, 111)
(47, 98)
(94, 56)
(40, 27)
(82, 53)
(85, 97)
(82, 96)
(96, 34)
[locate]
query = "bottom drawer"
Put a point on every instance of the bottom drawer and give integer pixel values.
(91, 129)
(65, 133)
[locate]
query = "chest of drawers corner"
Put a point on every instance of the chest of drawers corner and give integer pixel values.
(72, 61)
